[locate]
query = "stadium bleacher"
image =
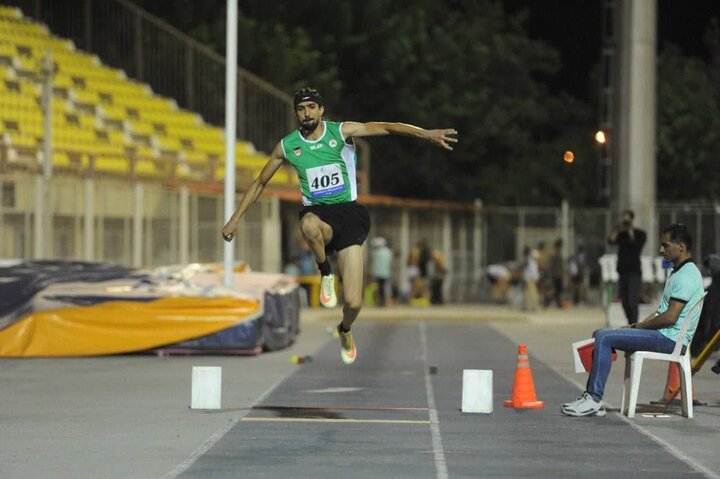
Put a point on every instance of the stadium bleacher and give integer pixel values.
(102, 122)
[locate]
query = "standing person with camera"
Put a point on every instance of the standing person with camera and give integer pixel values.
(630, 242)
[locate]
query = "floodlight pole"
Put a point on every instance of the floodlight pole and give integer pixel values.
(230, 129)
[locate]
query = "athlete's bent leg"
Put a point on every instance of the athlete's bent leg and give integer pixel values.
(317, 233)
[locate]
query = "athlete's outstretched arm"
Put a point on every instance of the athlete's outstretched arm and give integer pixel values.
(441, 138)
(253, 193)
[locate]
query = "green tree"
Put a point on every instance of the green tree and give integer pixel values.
(440, 63)
(688, 136)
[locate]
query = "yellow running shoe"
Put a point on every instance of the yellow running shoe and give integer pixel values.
(327, 291)
(348, 351)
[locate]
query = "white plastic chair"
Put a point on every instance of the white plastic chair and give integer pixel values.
(634, 363)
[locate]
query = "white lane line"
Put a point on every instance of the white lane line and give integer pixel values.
(438, 451)
(216, 436)
(671, 449)
(331, 420)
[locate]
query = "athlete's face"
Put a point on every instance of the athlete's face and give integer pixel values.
(309, 115)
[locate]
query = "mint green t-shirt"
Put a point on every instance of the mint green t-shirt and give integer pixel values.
(685, 284)
(325, 167)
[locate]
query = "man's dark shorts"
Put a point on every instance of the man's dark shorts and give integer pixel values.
(349, 221)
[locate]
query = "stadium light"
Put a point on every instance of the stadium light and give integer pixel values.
(600, 137)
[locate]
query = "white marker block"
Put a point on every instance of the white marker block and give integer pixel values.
(477, 392)
(206, 387)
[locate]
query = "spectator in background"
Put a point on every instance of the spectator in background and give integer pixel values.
(427, 269)
(530, 275)
(556, 271)
(381, 267)
(438, 271)
(500, 278)
(415, 286)
(543, 287)
(577, 269)
(630, 242)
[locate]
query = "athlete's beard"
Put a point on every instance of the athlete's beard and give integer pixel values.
(308, 127)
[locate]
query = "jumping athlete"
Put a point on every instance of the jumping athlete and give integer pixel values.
(323, 155)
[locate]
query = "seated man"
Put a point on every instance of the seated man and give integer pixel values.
(657, 332)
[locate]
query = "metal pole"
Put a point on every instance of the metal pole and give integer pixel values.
(137, 243)
(184, 225)
(230, 131)
(565, 228)
(47, 112)
(477, 244)
(189, 76)
(404, 243)
(447, 252)
(138, 47)
(38, 217)
(87, 11)
(89, 220)
(42, 183)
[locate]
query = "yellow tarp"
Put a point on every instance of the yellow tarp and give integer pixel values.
(121, 326)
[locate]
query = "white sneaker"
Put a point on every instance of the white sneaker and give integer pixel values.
(566, 404)
(327, 291)
(585, 405)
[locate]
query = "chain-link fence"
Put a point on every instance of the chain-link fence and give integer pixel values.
(148, 224)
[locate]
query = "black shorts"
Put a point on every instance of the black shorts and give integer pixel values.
(350, 223)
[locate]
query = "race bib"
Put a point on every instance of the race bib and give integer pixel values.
(325, 180)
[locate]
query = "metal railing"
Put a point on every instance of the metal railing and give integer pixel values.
(173, 64)
(138, 223)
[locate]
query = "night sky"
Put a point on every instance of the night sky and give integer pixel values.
(574, 28)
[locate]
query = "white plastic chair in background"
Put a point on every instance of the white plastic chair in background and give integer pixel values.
(661, 273)
(608, 268)
(647, 269)
(634, 363)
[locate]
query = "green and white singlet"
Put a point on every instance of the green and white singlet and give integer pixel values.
(325, 167)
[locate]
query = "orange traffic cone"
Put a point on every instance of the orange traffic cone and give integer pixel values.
(672, 385)
(523, 394)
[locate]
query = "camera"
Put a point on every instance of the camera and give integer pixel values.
(626, 223)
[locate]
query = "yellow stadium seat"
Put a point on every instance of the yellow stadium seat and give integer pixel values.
(141, 128)
(7, 51)
(194, 157)
(98, 112)
(112, 164)
(116, 138)
(85, 96)
(23, 141)
(61, 159)
(10, 13)
(145, 168)
(113, 112)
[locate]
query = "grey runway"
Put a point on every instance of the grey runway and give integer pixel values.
(372, 419)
